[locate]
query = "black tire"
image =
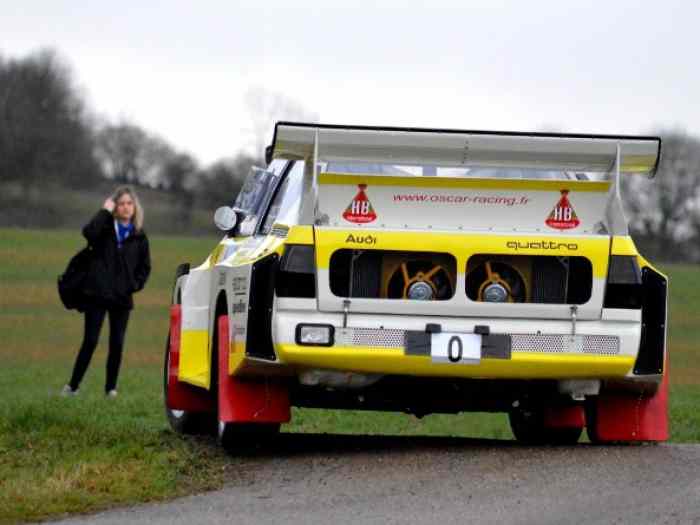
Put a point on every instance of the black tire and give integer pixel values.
(591, 422)
(528, 428)
(237, 437)
(181, 421)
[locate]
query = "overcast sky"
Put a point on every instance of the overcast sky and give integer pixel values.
(182, 69)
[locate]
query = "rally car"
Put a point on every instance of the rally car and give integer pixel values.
(426, 271)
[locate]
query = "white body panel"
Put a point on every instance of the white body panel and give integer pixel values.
(628, 331)
(407, 205)
(196, 299)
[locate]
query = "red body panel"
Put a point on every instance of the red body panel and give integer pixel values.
(259, 400)
(633, 418)
(182, 396)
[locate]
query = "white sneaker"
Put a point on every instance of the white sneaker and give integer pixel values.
(67, 391)
(112, 393)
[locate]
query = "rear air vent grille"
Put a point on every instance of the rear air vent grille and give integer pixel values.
(565, 344)
(539, 343)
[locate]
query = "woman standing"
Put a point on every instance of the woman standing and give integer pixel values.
(119, 267)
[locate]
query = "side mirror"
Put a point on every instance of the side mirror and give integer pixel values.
(225, 218)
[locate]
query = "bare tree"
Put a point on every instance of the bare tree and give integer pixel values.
(664, 213)
(221, 182)
(129, 154)
(266, 107)
(44, 132)
(179, 175)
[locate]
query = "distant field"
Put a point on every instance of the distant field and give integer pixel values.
(73, 455)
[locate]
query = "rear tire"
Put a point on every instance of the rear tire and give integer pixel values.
(528, 426)
(181, 421)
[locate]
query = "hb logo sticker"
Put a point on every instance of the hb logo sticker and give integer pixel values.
(563, 216)
(360, 210)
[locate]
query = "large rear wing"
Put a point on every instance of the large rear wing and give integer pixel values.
(448, 147)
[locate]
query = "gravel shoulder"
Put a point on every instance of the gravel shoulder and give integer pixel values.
(320, 479)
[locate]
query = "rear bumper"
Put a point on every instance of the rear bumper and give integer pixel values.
(536, 350)
(521, 365)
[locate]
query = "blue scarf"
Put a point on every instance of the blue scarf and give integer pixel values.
(123, 232)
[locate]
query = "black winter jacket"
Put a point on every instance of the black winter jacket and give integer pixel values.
(115, 273)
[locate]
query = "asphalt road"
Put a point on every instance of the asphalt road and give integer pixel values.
(328, 479)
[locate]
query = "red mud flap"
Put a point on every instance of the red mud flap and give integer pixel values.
(182, 396)
(631, 418)
(259, 400)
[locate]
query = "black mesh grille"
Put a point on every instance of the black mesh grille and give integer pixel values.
(366, 273)
(548, 280)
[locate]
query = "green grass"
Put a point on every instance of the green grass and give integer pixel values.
(61, 455)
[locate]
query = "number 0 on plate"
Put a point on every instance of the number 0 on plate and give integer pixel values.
(457, 349)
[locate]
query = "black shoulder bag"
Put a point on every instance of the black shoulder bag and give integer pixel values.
(71, 282)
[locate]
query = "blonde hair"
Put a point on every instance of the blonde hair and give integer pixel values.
(137, 219)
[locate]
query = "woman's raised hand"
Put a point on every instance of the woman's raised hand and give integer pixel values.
(109, 205)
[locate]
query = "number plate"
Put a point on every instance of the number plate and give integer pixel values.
(457, 349)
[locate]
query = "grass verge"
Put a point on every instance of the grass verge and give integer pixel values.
(88, 453)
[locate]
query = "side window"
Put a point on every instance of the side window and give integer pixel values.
(286, 204)
(277, 166)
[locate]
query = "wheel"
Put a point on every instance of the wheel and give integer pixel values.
(528, 427)
(181, 421)
(234, 437)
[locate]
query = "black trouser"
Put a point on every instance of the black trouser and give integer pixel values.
(94, 316)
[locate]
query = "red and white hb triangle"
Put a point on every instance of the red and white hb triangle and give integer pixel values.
(563, 216)
(360, 210)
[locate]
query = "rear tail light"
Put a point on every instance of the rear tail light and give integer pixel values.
(624, 286)
(297, 272)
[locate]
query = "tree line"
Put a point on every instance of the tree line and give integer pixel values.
(49, 138)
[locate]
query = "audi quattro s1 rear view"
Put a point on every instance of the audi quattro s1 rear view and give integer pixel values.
(426, 271)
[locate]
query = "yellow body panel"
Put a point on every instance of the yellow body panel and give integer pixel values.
(236, 357)
(484, 184)
(623, 246)
(194, 358)
(301, 235)
(522, 365)
(462, 246)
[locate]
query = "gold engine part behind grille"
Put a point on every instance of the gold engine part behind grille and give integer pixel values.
(521, 265)
(393, 263)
